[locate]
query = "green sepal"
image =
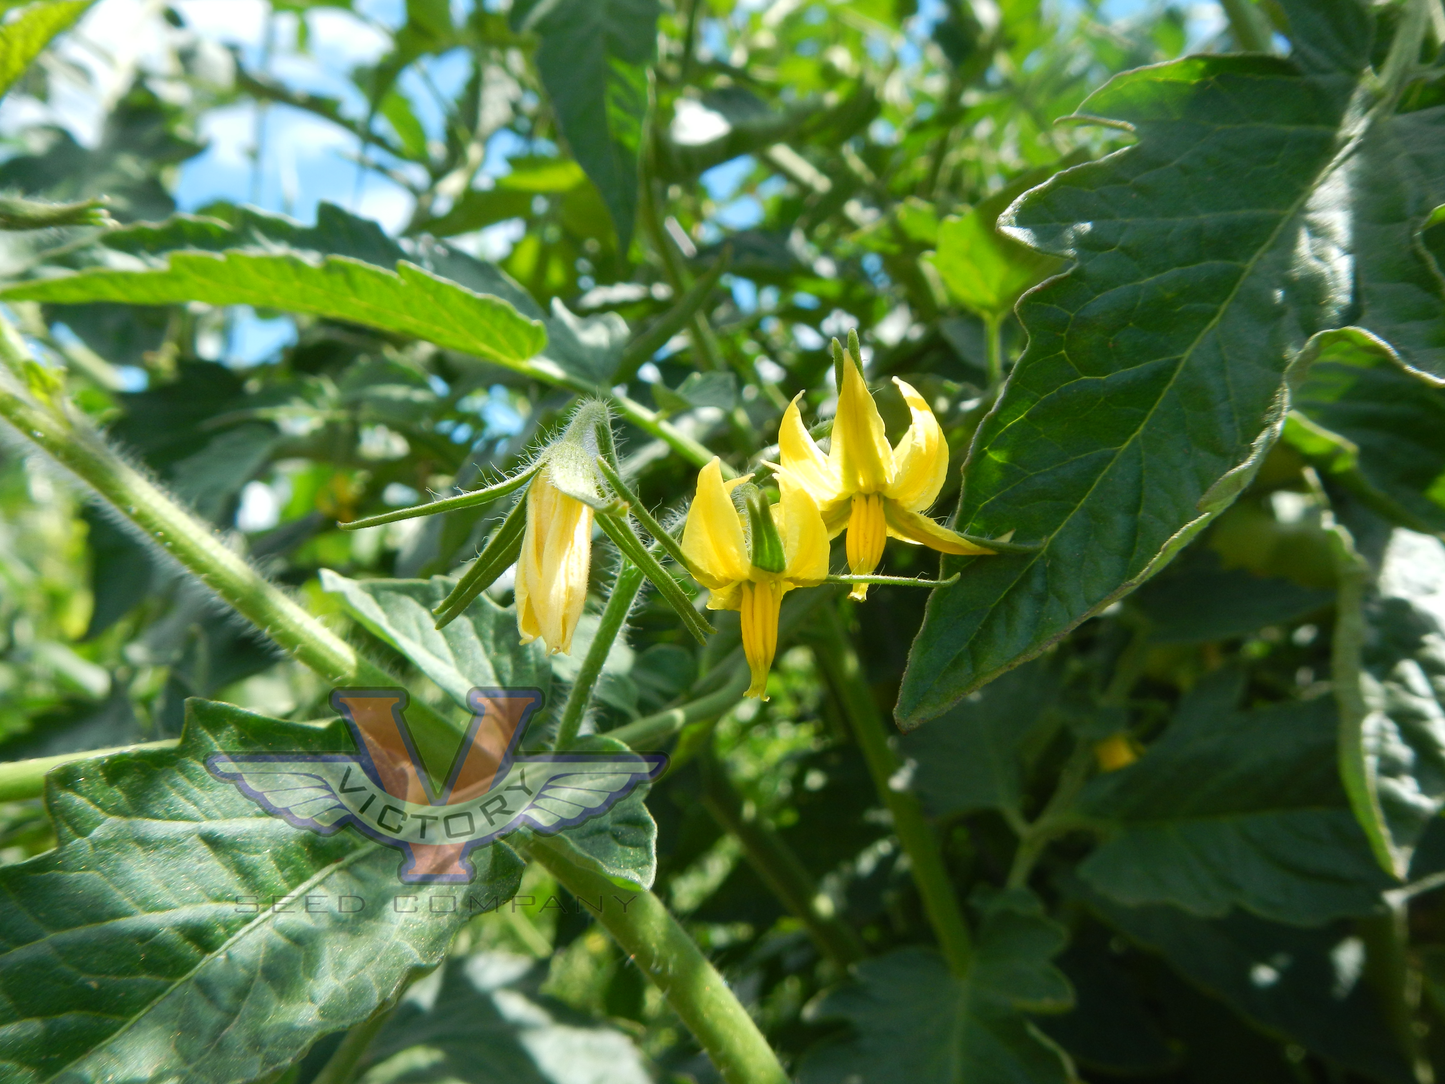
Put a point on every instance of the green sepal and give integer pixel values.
(499, 554)
(632, 548)
(448, 504)
(663, 536)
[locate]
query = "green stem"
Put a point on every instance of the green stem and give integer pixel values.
(624, 591)
(22, 779)
(1404, 54)
(692, 986)
(1389, 974)
(778, 865)
(1248, 25)
(993, 336)
(651, 729)
(206, 556)
(845, 675)
(341, 1067)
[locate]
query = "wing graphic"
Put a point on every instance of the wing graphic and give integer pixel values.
(570, 791)
(293, 789)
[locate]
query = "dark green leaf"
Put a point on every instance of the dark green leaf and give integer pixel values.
(133, 949)
(1305, 986)
(593, 61)
(480, 650)
(1195, 600)
(210, 478)
(589, 347)
(481, 1020)
(1234, 809)
(1155, 375)
(973, 757)
(1376, 428)
(914, 1023)
(120, 571)
(1389, 678)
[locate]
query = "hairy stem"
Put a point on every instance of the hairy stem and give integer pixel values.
(651, 729)
(692, 986)
(845, 675)
(624, 593)
(778, 865)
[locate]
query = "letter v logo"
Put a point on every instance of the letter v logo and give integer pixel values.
(384, 791)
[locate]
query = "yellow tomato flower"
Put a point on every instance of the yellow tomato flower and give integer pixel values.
(873, 490)
(749, 562)
(552, 568)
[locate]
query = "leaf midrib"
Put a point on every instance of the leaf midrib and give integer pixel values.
(1248, 269)
(261, 922)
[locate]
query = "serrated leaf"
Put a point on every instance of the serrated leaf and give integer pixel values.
(1301, 985)
(408, 301)
(1234, 809)
(1155, 375)
(973, 756)
(1389, 678)
(594, 60)
(481, 1019)
(915, 1023)
(481, 649)
(1379, 430)
(132, 951)
(23, 39)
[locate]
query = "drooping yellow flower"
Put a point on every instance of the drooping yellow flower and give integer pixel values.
(748, 562)
(874, 491)
(553, 565)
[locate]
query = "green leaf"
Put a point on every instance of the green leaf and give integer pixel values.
(1301, 985)
(621, 844)
(211, 478)
(1377, 429)
(1155, 376)
(589, 347)
(974, 756)
(914, 1023)
(168, 936)
(409, 301)
(22, 39)
(594, 60)
(984, 270)
(481, 1019)
(1195, 600)
(1234, 809)
(479, 650)
(1389, 679)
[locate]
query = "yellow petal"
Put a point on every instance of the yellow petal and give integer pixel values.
(553, 566)
(760, 605)
(859, 453)
(801, 457)
(726, 598)
(712, 539)
(800, 525)
(866, 534)
(921, 458)
(909, 526)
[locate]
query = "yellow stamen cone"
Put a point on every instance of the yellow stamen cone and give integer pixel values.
(867, 531)
(761, 604)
